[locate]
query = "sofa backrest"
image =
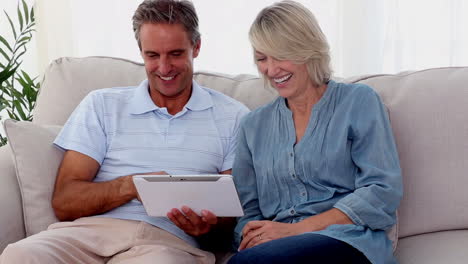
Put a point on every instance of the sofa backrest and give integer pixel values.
(428, 110)
(429, 115)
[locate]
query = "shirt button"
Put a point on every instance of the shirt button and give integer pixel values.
(292, 211)
(303, 194)
(291, 154)
(293, 175)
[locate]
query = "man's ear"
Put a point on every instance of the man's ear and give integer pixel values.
(196, 48)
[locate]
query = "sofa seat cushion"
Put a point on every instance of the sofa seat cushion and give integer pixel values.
(434, 248)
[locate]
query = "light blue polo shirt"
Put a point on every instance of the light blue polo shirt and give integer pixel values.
(126, 133)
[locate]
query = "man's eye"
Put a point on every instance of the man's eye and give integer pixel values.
(260, 59)
(177, 54)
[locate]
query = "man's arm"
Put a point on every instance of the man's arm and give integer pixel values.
(75, 194)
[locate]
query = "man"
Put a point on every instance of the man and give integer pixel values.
(167, 124)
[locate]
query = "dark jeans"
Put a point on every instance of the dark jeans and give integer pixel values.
(305, 248)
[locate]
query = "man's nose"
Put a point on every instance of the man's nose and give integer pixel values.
(164, 66)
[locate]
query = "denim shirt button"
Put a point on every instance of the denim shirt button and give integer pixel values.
(291, 154)
(292, 211)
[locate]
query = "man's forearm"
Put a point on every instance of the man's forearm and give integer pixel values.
(83, 198)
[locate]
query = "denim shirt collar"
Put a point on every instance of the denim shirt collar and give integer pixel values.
(325, 97)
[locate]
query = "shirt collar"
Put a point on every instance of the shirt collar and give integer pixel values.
(141, 102)
(325, 97)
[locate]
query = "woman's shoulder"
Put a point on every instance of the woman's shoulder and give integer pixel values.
(355, 89)
(355, 93)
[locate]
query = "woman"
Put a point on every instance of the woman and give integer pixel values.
(317, 169)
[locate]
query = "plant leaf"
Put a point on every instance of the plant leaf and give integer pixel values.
(26, 13)
(11, 24)
(5, 74)
(3, 40)
(16, 59)
(24, 84)
(32, 14)
(4, 54)
(5, 102)
(12, 115)
(17, 95)
(20, 17)
(27, 78)
(22, 45)
(19, 108)
(25, 39)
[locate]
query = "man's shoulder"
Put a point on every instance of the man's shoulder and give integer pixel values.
(109, 97)
(121, 92)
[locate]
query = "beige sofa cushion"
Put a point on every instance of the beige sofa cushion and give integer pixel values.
(434, 248)
(36, 161)
(430, 122)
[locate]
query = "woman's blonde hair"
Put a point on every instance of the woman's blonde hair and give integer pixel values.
(287, 30)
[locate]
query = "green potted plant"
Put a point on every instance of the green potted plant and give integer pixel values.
(18, 91)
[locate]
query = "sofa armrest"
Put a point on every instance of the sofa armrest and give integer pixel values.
(11, 212)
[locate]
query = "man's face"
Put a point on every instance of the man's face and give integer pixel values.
(168, 55)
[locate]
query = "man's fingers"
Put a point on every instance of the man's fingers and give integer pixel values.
(179, 219)
(191, 216)
(173, 219)
(209, 217)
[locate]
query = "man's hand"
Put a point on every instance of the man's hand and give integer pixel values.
(148, 173)
(192, 223)
(259, 232)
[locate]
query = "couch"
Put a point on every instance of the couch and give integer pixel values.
(428, 110)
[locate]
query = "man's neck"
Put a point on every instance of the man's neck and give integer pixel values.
(174, 104)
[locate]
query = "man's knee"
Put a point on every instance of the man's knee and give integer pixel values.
(19, 252)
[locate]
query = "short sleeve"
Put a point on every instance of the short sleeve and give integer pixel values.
(230, 152)
(84, 131)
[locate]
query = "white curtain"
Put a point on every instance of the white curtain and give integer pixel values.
(366, 36)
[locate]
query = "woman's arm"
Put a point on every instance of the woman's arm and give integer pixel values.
(245, 179)
(378, 179)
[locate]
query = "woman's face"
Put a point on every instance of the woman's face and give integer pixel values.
(291, 80)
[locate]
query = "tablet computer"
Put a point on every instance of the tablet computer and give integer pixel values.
(216, 193)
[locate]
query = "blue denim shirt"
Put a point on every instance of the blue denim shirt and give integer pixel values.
(347, 159)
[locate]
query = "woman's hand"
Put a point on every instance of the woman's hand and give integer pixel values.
(259, 232)
(192, 223)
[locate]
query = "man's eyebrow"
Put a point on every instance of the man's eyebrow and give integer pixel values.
(172, 51)
(149, 52)
(177, 51)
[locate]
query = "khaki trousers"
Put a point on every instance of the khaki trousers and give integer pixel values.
(104, 240)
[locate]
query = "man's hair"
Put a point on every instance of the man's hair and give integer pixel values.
(287, 30)
(167, 12)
